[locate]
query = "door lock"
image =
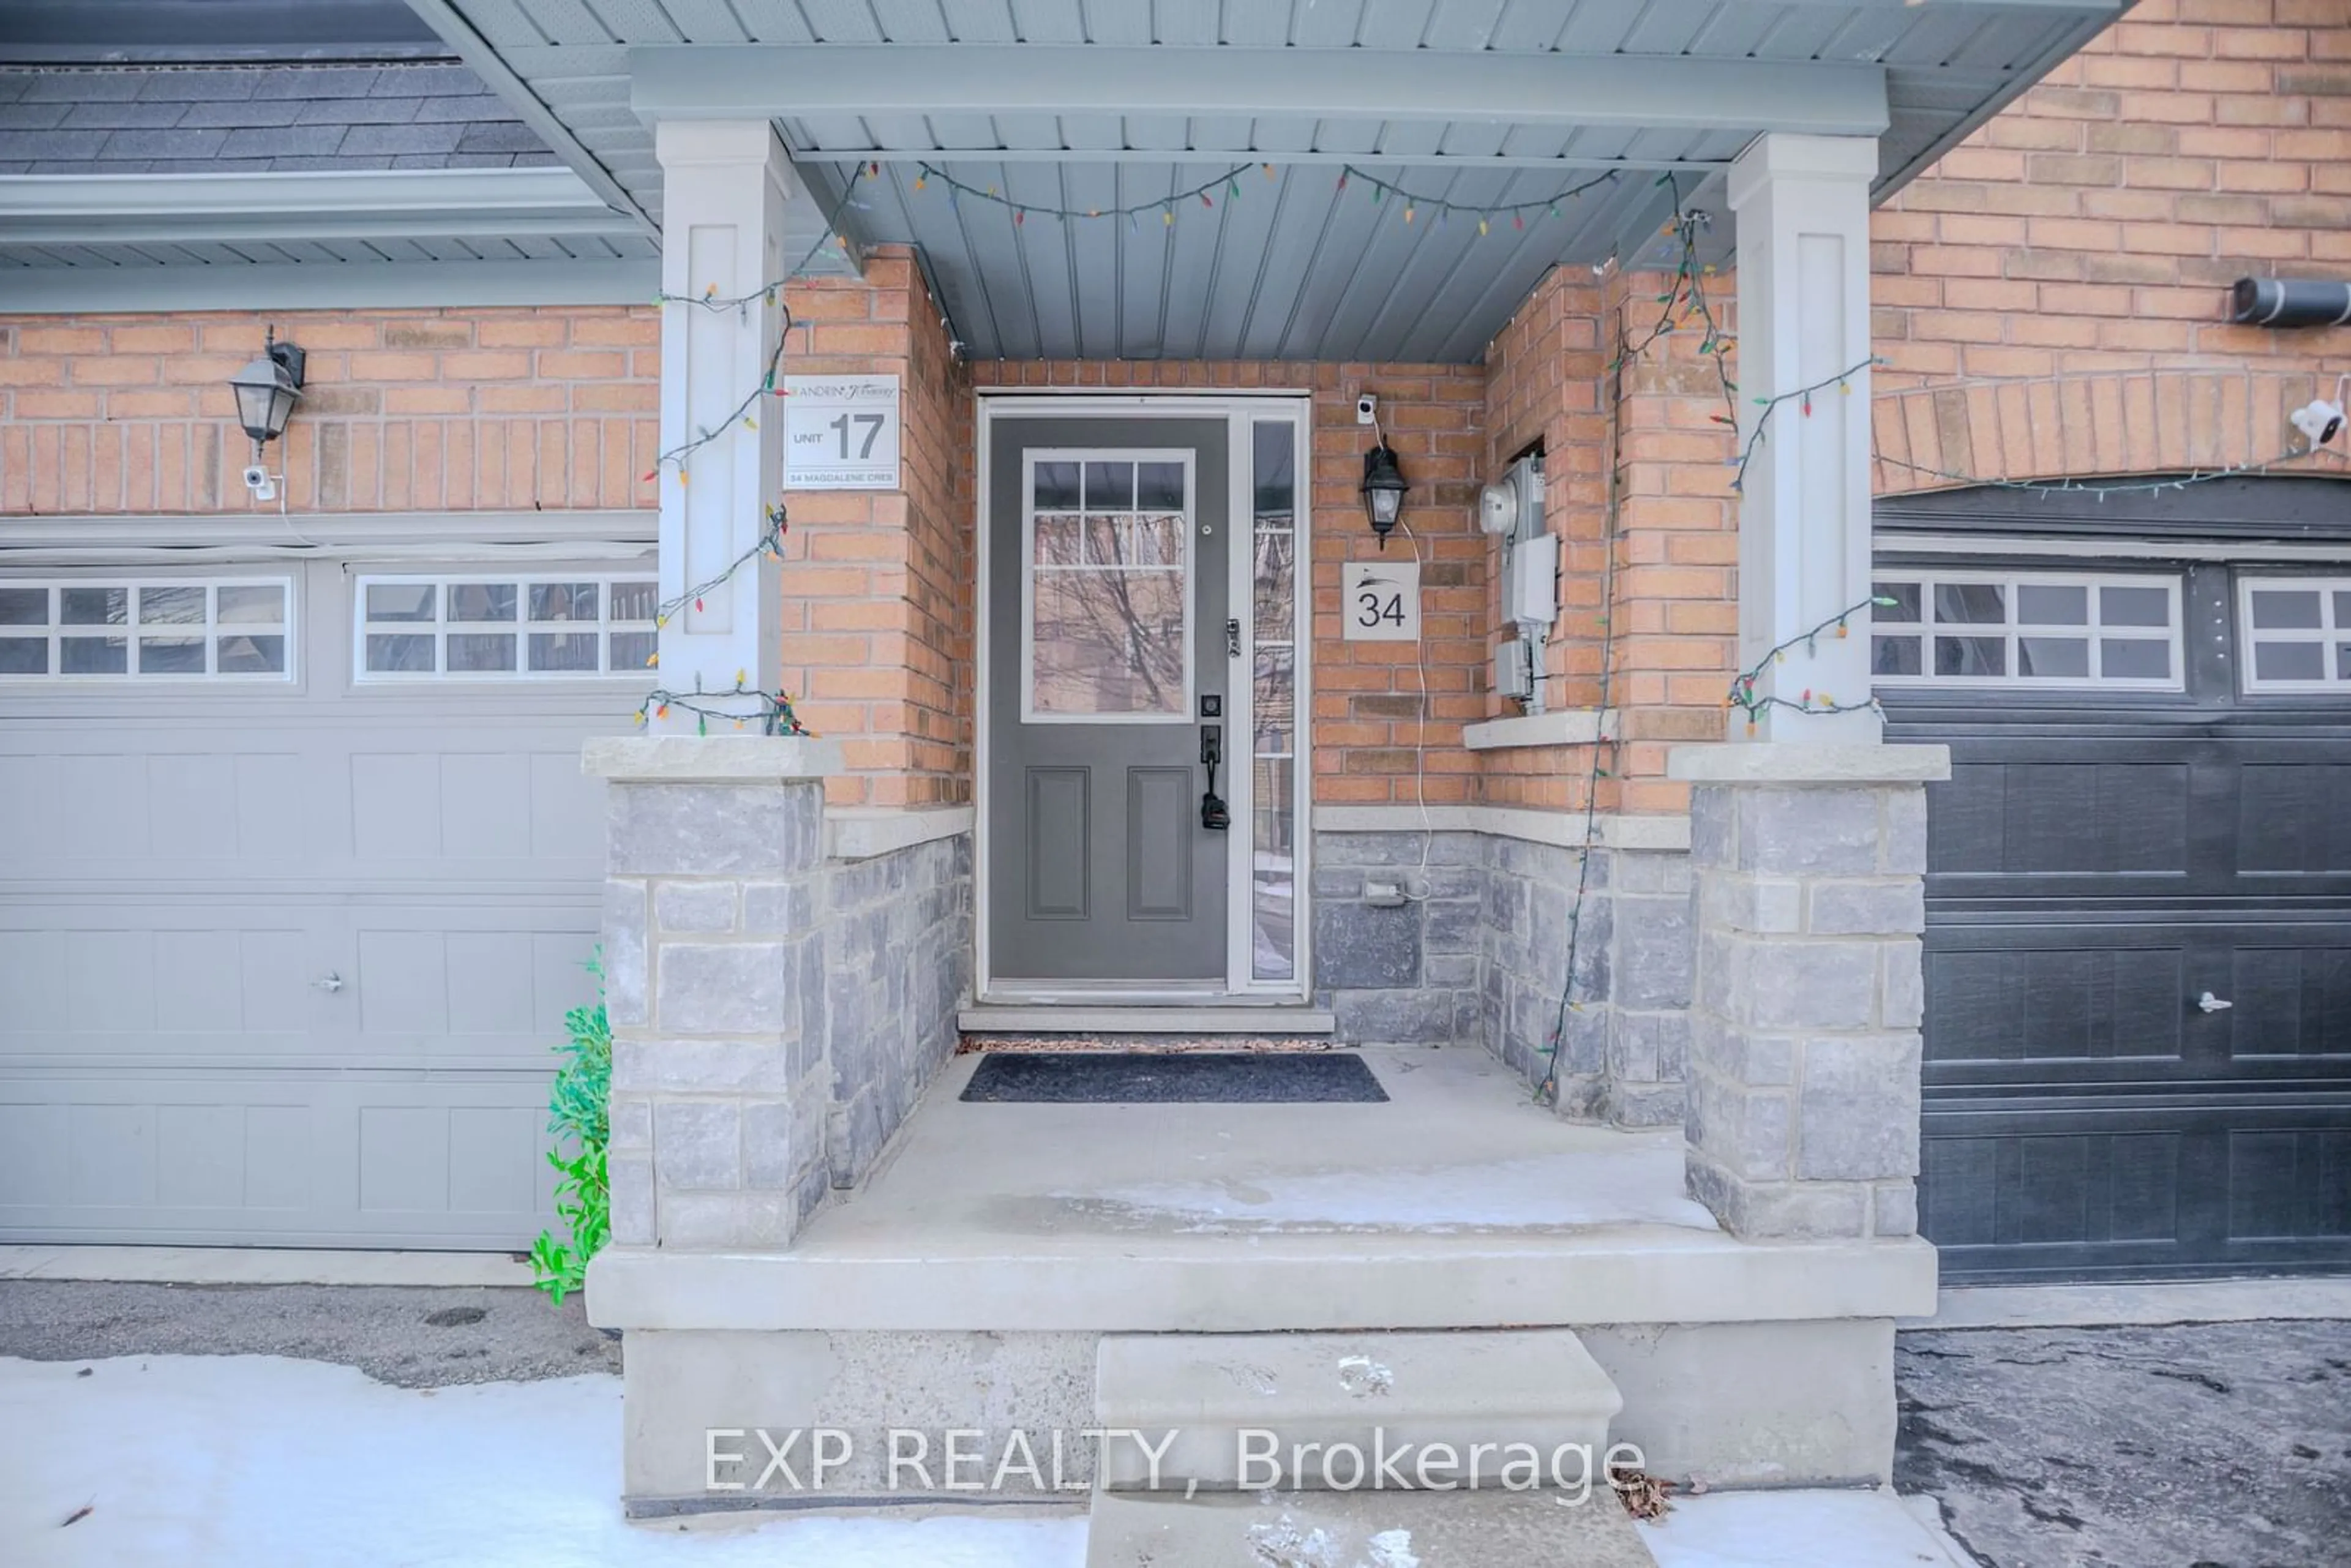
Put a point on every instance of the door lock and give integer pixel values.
(2209, 1003)
(1214, 815)
(329, 982)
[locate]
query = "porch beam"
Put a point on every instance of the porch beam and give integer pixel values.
(1422, 161)
(738, 81)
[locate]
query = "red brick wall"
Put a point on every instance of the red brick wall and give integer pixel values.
(450, 410)
(1669, 637)
(1371, 729)
(2077, 251)
(878, 585)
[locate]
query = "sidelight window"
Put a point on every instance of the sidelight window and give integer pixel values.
(1273, 750)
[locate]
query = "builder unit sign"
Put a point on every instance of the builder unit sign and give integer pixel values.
(840, 432)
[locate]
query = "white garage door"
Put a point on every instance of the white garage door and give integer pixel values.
(291, 906)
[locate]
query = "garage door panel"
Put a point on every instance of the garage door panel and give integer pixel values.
(112, 984)
(317, 1161)
(2289, 1183)
(421, 813)
(2293, 818)
(488, 981)
(2290, 1000)
(2058, 1188)
(2057, 1001)
(101, 818)
(2038, 819)
(2152, 1186)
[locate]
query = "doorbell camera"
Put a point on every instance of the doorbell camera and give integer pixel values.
(258, 480)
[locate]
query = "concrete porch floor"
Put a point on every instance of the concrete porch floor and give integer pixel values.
(1459, 1203)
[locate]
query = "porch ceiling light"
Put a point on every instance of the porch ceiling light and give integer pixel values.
(268, 389)
(1383, 488)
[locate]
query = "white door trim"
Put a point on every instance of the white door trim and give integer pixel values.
(1236, 777)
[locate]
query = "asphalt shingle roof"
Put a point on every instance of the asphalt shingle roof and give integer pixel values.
(252, 119)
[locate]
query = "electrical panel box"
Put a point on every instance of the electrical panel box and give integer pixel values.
(1513, 675)
(1534, 582)
(1511, 509)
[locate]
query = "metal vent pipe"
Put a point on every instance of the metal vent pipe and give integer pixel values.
(2289, 302)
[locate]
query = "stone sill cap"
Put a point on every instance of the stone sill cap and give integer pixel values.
(709, 759)
(1798, 762)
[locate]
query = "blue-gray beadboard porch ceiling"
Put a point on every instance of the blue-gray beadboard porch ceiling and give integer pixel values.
(1101, 104)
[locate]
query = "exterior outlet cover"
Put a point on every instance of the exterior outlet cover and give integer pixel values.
(1384, 895)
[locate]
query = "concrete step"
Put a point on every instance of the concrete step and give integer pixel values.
(1323, 1410)
(1363, 1529)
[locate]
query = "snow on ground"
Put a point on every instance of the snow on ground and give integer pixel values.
(239, 1461)
(1616, 1185)
(1799, 1530)
(244, 1461)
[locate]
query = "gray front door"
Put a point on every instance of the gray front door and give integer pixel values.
(1108, 662)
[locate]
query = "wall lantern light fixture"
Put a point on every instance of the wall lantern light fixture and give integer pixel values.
(1384, 489)
(266, 391)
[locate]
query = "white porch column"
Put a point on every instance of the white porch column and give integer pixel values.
(1803, 204)
(725, 184)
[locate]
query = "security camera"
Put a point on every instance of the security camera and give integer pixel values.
(1367, 408)
(2319, 421)
(258, 480)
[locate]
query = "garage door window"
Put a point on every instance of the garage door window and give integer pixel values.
(225, 629)
(2041, 629)
(504, 628)
(2297, 634)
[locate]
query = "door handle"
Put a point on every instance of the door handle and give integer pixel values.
(2209, 1003)
(1214, 814)
(329, 982)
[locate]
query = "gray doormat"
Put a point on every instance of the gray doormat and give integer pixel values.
(1159, 1078)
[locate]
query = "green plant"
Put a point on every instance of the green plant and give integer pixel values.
(579, 1115)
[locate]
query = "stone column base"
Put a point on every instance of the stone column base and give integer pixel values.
(714, 975)
(1803, 1116)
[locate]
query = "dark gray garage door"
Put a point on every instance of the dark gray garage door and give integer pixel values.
(2138, 945)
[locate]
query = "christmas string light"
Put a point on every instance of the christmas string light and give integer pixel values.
(1229, 183)
(771, 543)
(960, 191)
(769, 293)
(1745, 697)
(775, 715)
(1686, 300)
(1546, 1090)
(2101, 489)
(1485, 213)
(1842, 381)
